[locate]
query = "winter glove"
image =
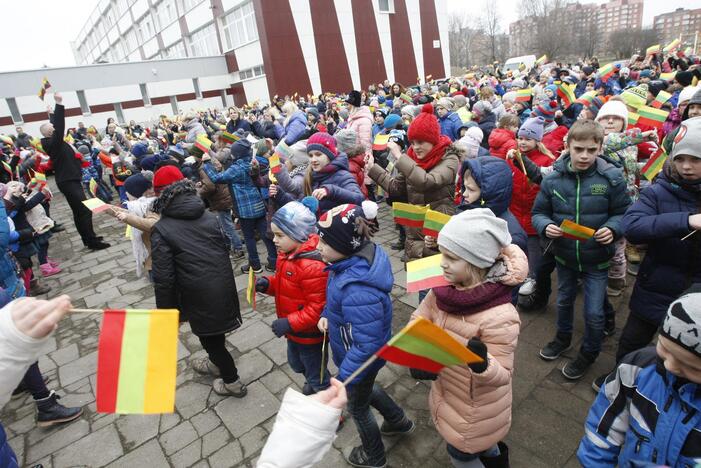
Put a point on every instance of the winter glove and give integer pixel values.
(422, 375)
(281, 327)
(262, 284)
(476, 346)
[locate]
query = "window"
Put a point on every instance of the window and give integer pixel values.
(146, 28)
(84, 108)
(240, 26)
(14, 110)
(131, 40)
(167, 13)
(204, 42)
(177, 50)
(249, 73)
(386, 6)
(186, 5)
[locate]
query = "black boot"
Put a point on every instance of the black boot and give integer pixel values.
(51, 412)
(500, 461)
(36, 288)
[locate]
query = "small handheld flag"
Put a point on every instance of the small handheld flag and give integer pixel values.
(587, 98)
(575, 231)
(251, 288)
(653, 49)
(654, 165)
(8, 169)
(93, 187)
(408, 215)
(380, 142)
(96, 205)
(45, 85)
(660, 99)
(607, 71)
(543, 59)
(633, 118)
(203, 143)
(668, 76)
(425, 273)
(405, 98)
(229, 137)
(524, 95)
(283, 150)
(651, 116)
(434, 222)
(275, 165)
(566, 93)
(137, 356)
(671, 46)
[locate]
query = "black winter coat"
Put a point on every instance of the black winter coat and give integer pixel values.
(66, 166)
(191, 267)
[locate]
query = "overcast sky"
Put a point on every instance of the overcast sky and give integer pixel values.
(38, 32)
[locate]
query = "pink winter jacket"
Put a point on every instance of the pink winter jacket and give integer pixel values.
(472, 412)
(361, 121)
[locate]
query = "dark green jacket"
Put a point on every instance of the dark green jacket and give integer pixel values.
(594, 198)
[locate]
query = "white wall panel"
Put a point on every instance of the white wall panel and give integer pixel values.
(208, 83)
(113, 35)
(344, 13)
(135, 56)
(124, 23)
(442, 14)
(257, 89)
(139, 8)
(249, 55)
(169, 88)
(382, 21)
(412, 9)
(229, 4)
(199, 16)
(112, 94)
(150, 47)
(301, 13)
(4, 110)
(171, 34)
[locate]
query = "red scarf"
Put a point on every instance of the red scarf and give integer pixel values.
(434, 156)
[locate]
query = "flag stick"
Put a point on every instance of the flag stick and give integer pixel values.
(548, 246)
(86, 311)
(360, 369)
(690, 234)
(323, 358)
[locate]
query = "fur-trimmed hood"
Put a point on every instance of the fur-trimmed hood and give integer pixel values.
(180, 200)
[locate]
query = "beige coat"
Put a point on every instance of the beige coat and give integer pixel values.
(145, 225)
(472, 412)
(418, 187)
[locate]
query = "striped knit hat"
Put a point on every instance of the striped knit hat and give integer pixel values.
(635, 97)
(546, 110)
(595, 106)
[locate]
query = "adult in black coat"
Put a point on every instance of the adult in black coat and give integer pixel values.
(192, 273)
(67, 170)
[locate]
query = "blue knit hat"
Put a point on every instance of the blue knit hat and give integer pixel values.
(546, 109)
(391, 121)
(532, 129)
(297, 219)
(136, 185)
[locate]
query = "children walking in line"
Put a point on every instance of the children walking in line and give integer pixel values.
(358, 319)
(299, 287)
(471, 405)
(588, 191)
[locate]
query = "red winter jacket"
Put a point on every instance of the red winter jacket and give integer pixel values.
(501, 140)
(555, 140)
(299, 287)
(524, 192)
(356, 166)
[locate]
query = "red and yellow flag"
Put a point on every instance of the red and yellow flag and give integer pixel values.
(137, 357)
(575, 231)
(380, 142)
(45, 85)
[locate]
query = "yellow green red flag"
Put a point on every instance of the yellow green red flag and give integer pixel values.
(425, 273)
(409, 215)
(575, 231)
(434, 222)
(654, 165)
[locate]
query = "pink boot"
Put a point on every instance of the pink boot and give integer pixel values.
(52, 262)
(49, 270)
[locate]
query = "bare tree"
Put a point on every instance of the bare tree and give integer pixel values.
(462, 36)
(548, 24)
(590, 39)
(626, 42)
(490, 25)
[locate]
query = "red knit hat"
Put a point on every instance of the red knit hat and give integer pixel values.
(166, 176)
(323, 142)
(425, 126)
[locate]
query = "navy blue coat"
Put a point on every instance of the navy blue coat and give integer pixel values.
(487, 124)
(451, 125)
(660, 218)
(359, 309)
(8, 459)
(240, 124)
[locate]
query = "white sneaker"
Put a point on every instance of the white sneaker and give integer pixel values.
(527, 288)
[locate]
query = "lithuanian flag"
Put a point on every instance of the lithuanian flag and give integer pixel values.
(425, 273)
(575, 231)
(668, 76)
(651, 116)
(423, 345)
(671, 46)
(654, 165)
(587, 98)
(8, 169)
(409, 215)
(524, 95)
(230, 137)
(283, 150)
(566, 93)
(543, 59)
(653, 49)
(203, 143)
(607, 71)
(36, 144)
(96, 205)
(633, 118)
(380, 142)
(93, 187)
(137, 357)
(434, 222)
(275, 164)
(661, 98)
(405, 98)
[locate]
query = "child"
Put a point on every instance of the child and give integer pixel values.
(471, 140)
(299, 287)
(291, 176)
(587, 190)
(535, 291)
(503, 138)
(666, 212)
(553, 134)
(647, 413)
(471, 405)
(358, 318)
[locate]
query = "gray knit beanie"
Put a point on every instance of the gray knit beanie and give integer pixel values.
(297, 219)
(345, 140)
(476, 236)
(299, 155)
(688, 139)
(682, 324)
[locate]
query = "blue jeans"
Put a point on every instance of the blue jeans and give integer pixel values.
(594, 295)
(122, 194)
(306, 359)
(249, 228)
(227, 225)
(360, 397)
(461, 459)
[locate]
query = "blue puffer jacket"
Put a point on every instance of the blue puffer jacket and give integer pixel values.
(450, 125)
(660, 218)
(250, 200)
(296, 128)
(494, 177)
(641, 410)
(10, 285)
(359, 309)
(8, 459)
(594, 198)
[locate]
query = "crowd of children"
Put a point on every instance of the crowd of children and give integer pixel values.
(304, 177)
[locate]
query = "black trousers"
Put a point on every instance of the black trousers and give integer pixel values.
(215, 345)
(637, 334)
(82, 216)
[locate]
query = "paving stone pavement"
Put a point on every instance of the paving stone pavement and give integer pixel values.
(208, 430)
